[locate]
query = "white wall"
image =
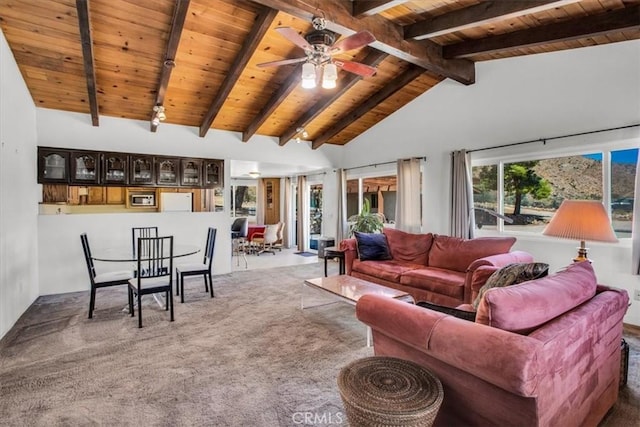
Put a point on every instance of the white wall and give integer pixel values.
(18, 193)
(513, 100)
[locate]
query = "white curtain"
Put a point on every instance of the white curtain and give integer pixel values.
(408, 196)
(288, 220)
(260, 204)
(462, 215)
(635, 236)
(341, 217)
(303, 213)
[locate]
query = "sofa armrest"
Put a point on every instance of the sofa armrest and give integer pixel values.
(505, 359)
(480, 270)
(350, 253)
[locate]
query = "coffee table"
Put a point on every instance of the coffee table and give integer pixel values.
(349, 289)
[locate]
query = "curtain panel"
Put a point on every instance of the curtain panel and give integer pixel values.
(341, 217)
(408, 216)
(635, 227)
(462, 214)
(260, 204)
(302, 228)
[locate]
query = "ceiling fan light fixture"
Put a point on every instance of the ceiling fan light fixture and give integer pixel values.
(158, 115)
(308, 75)
(329, 76)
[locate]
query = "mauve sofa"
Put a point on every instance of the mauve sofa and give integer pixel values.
(440, 269)
(541, 353)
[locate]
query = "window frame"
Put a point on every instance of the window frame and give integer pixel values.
(604, 149)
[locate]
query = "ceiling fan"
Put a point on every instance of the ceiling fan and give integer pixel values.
(319, 47)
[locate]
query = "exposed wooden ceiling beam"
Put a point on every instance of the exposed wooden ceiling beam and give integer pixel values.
(389, 36)
(374, 58)
(280, 95)
(480, 14)
(589, 26)
(84, 20)
(177, 24)
(371, 7)
(398, 83)
(263, 22)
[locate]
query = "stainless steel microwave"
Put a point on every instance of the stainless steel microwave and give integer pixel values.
(143, 200)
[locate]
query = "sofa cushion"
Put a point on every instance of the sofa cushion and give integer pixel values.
(443, 282)
(372, 246)
(409, 247)
(512, 274)
(524, 307)
(454, 253)
(388, 270)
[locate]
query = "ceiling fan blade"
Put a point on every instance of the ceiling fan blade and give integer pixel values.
(354, 41)
(282, 62)
(355, 67)
(293, 36)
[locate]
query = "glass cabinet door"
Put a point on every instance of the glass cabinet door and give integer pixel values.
(141, 170)
(191, 171)
(167, 171)
(213, 173)
(53, 166)
(114, 168)
(84, 167)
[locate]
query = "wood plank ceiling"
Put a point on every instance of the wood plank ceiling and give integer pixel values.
(198, 58)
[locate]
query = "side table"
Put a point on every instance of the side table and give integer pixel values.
(334, 252)
(386, 391)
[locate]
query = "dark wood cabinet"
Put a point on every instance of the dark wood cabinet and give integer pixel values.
(85, 167)
(213, 173)
(90, 168)
(115, 169)
(167, 171)
(142, 171)
(53, 165)
(191, 172)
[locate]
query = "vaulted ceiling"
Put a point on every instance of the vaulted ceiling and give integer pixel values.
(198, 58)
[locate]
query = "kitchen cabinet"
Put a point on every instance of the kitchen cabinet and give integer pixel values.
(53, 166)
(115, 169)
(115, 195)
(213, 173)
(191, 175)
(85, 167)
(142, 171)
(167, 171)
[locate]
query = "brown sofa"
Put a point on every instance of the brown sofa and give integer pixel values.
(440, 269)
(540, 353)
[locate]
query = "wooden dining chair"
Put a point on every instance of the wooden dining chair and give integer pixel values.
(196, 269)
(103, 280)
(157, 264)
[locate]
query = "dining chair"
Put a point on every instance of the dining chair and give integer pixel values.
(280, 242)
(137, 232)
(203, 269)
(239, 232)
(157, 264)
(266, 239)
(100, 280)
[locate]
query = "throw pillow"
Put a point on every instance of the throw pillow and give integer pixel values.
(372, 246)
(461, 314)
(511, 275)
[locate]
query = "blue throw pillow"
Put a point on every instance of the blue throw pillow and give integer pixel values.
(372, 246)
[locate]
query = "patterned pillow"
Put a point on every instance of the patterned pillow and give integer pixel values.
(372, 246)
(512, 274)
(460, 314)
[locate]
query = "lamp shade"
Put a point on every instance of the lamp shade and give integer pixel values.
(581, 220)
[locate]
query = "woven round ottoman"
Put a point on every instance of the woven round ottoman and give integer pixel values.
(385, 391)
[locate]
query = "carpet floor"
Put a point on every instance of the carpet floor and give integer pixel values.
(249, 356)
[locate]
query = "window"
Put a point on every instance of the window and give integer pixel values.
(529, 192)
(243, 200)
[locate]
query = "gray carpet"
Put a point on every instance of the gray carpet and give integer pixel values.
(249, 356)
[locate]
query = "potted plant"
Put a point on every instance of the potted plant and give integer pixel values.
(366, 221)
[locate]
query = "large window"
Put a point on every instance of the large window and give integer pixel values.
(243, 201)
(529, 192)
(379, 190)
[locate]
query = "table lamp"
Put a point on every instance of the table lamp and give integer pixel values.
(581, 220)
